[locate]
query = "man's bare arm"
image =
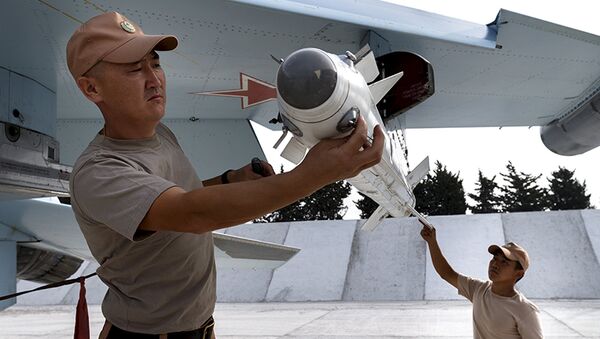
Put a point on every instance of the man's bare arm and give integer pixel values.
(219, 206)
(437, 258)
(242, 174)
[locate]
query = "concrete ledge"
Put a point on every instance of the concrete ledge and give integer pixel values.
(387, 263)
(340, 262)
(563, 262)
(591, 220)
(249, 285)
(318, 272)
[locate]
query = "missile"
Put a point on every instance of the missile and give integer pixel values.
(321, 95)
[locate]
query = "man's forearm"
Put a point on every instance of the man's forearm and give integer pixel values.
(441, 264)
(219, 206)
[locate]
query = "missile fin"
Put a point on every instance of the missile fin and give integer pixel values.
(294, 151)
(381, 87)
(374, 219)
(362, 52)
(367, 66)
(418, 172)
(281, 138)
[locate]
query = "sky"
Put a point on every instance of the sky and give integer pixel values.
(468, 150)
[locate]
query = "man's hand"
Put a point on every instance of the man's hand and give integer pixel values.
(247, 173)
(335, 159)
(428, 234)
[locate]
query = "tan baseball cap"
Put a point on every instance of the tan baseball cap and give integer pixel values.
(113, 38)
(513, 252)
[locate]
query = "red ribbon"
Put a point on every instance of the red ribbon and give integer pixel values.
(82, 321)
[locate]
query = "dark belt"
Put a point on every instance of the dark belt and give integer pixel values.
(204, 332)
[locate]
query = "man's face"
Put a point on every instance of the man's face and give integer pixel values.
(132, 93)
(501, 269)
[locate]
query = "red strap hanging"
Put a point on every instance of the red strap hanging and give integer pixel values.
(82, 321)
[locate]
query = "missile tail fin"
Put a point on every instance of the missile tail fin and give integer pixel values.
(374, 219)
(362, 52)
(381, 87)
(294, 151)
(418, 173)
(367, 66)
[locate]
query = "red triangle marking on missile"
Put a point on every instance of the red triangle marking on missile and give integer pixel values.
(252, 91)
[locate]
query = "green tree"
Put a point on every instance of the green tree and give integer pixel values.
(325, 204)
(566, 193)
(291, 212)
(441, 193)
(486, 199)
(521, 193)
(366, 206)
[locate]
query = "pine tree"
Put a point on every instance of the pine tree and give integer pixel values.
(366, 206)
(291, 212)
(325, 204)
(521, 192)
(566, 193)
(486, 200)
(441, 193)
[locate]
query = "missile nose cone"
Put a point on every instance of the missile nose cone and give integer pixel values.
(306, 79)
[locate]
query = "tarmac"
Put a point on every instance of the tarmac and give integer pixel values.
(409, 319)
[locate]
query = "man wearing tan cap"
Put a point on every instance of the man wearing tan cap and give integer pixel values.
(146, 216)
(499, 310)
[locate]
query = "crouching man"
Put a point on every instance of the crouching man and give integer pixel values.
(499, 310)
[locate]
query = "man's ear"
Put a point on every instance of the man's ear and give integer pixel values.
(88, 86)
(520, 274)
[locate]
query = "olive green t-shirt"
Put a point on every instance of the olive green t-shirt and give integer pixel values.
(498, 317)
(158, 282)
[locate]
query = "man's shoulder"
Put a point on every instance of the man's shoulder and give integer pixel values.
(471, 288)
(94, 153)
(472, 280)
(96, 160)
(526, 304)
(88, 154)
(165, 132)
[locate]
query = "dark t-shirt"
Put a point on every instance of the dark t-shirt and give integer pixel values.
(158, 282)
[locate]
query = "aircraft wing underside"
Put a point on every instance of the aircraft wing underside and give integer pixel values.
(50, 247)
(516, 71)
(32, 220)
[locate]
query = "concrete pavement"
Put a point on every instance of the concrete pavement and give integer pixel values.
(412, 319)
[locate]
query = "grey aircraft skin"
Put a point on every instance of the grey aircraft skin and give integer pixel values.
(515, 71)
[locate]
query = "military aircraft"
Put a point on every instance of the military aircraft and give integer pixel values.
(515, 71)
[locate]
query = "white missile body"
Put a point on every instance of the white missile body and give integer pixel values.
(320, 96)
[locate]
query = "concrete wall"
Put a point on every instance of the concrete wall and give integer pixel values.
(249, 285)
(464, 242)
(338, 261)
(563, 262)
(387, 263)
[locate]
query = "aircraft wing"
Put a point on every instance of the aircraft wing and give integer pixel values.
(50, 225)
(516, 71)
(51, 247)
(240, 252)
